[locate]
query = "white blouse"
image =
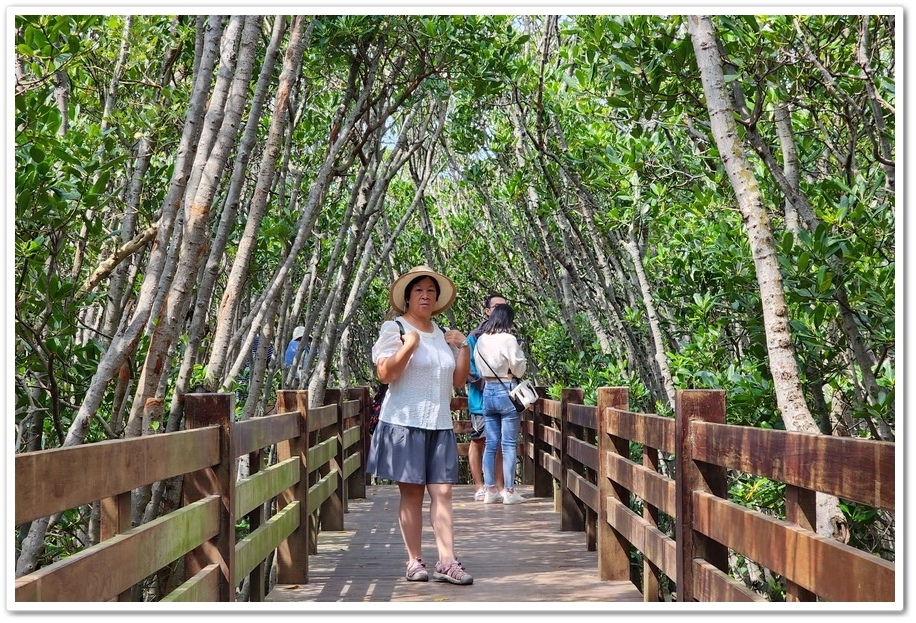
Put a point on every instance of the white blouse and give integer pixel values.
(421, 396)
(503, 353)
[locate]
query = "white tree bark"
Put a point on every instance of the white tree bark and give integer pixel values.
(217, 140)
(799, 213)
(123, 344)
(652, 317)
(783, 118)
(212, 269)
(781, 351)
(256, 210)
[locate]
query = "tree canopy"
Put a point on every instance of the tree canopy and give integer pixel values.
(186, 183)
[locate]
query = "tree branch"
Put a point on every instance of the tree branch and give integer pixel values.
(126, 250)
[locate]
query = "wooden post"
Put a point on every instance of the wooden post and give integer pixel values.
(257, 578)
(543, 481)
(571, 518)
(114, 519)
(364, 427)
(525, 440)
(589, 435)
(332, 509)
(651, 586)
(528, 431)
(292, 554)
(356, 487)
(692, 405)
(613, 549)
(203, 410)
(801, 509)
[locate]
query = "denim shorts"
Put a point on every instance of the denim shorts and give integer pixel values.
(413, 455)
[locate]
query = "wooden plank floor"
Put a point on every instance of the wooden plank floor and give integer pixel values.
(516, 554)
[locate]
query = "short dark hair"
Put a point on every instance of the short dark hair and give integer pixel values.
(500, 320)
(490, 297)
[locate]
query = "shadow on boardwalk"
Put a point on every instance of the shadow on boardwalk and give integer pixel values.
(515, 553)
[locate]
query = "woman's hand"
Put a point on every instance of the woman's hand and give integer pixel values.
(455, 338)
(389, 369)
(411, 340)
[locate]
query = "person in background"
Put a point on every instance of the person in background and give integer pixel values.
(293, 347)
(256, 344)
(499, 356)
(475, 408)
(414, 444)
(244, 377)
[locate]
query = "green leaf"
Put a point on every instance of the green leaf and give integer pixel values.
(804, 258)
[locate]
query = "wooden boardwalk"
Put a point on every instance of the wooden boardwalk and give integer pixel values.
(516, 554)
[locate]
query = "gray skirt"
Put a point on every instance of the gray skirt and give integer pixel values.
(413, 455)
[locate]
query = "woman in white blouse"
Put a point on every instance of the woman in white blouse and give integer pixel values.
(414, 444)
(500, 360)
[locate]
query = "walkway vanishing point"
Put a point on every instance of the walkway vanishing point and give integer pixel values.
(515, 553)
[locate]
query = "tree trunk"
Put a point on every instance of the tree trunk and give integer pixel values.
(797, 206)
(220, 133)
(786, 379)
(783, 118)
(124, 343)
(652, 317)
(199, 325)
(285, 93)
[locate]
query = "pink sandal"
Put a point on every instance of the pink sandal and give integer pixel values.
(453, 573)
(416, 571)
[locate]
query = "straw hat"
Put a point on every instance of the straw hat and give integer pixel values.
(298, 332)
(398, 295)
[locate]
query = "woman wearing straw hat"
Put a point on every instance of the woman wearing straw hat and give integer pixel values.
(414, 444)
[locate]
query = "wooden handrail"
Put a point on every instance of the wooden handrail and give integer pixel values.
(633, 483)
(687, 525)
(321, 455)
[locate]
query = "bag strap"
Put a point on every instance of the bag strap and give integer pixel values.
(401, 329)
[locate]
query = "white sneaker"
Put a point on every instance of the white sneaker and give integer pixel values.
(491, 497)
(511, 497)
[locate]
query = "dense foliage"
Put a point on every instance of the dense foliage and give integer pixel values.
(551, 159)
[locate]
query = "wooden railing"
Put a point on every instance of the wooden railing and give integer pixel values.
(319, 463)
(585, 453)
(669, 507)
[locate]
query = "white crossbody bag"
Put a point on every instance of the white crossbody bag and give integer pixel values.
(525, 393)
(522, 395)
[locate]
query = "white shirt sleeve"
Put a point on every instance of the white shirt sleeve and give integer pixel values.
(516, 358)
(388, 342)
